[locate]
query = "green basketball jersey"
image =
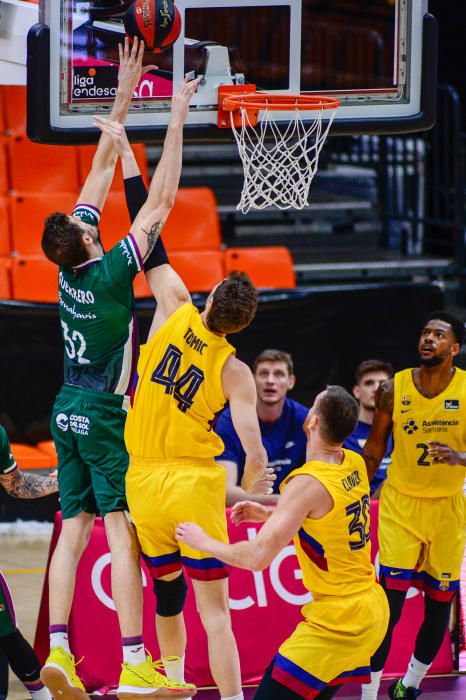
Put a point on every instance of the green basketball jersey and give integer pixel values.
(7, 461)
(96, 304)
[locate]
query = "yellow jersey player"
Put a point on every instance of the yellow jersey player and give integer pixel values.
(421, 518)
(324, 505)
(186, 373)
(96, 305)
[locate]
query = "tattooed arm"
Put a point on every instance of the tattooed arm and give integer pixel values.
(374, 450)
(23, 485)
(153, 214)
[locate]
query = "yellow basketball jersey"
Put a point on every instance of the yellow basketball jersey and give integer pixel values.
(178, 391)
(334, 552)
(416, 420)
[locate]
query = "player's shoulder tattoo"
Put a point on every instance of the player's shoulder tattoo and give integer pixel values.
(384, 399)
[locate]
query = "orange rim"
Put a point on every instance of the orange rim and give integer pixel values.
(272, 102)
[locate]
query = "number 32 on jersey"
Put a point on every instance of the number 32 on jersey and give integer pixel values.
(75, 345)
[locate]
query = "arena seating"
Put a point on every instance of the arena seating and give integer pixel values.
(42, 456)
(34, 167)
(13, 99)
(276, 274)
(28, 212)
(3, 168)
(5, 279)
(34, 279)
(193, 222)
(5, 246)
(36, 180)
(86, 154)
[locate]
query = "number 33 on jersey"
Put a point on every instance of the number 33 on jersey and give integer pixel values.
(178, 390)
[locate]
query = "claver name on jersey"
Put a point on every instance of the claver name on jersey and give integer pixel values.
(84, 297)
(352, 480)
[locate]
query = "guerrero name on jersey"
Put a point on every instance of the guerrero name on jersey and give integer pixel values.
(96, 305)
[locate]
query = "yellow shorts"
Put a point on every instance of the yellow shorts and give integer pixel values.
(421, 542)
(163, 493)
(334, 644)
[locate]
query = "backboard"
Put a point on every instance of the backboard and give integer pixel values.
(378, 58)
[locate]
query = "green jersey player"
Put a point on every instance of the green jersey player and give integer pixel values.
(97, 318)
(19, 653)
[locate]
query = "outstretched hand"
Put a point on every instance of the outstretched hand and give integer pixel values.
(258, 483)
(181, 100)
(131, 67)
(193, 535)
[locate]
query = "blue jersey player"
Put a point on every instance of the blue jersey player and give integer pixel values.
(369, 376)
(281, 423)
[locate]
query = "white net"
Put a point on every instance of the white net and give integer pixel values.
(279, 165)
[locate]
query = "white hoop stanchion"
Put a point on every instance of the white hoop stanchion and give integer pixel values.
(279, 163)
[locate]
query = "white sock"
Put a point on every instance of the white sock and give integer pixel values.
(369, 690)
(415, 673)
(39, 693)
(60, 639)
(133, 650)
(175, 670)
(240, 696)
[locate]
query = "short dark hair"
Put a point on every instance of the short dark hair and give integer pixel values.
(62, 241)
(234, 304)
(272, 355)
(457, 326)
(338, 414)
(372, 366)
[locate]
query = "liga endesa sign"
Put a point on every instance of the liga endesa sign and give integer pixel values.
(265, 608)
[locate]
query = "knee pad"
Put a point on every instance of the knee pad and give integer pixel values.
(171, 596)
(21, 657)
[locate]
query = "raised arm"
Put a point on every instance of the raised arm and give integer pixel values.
(376, 446)
(301, 496)
(240, 390)
(167, 286)
(161, 197)
(100, 177)
(22, 485)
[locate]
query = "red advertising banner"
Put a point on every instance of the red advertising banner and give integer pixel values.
(265, 608)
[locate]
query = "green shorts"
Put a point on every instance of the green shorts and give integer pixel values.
(88, 429)
(7, 611)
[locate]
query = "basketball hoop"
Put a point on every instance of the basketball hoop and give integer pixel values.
(279, 164)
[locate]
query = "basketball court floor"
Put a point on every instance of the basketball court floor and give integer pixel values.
(23, 560)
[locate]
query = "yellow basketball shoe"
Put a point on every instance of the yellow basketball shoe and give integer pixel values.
(144, 679)
(60, 677)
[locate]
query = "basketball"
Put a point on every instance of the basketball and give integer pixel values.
(156, 22)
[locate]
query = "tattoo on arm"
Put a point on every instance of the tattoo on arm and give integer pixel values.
(22, 485)
(152, 237)
(384, 399)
